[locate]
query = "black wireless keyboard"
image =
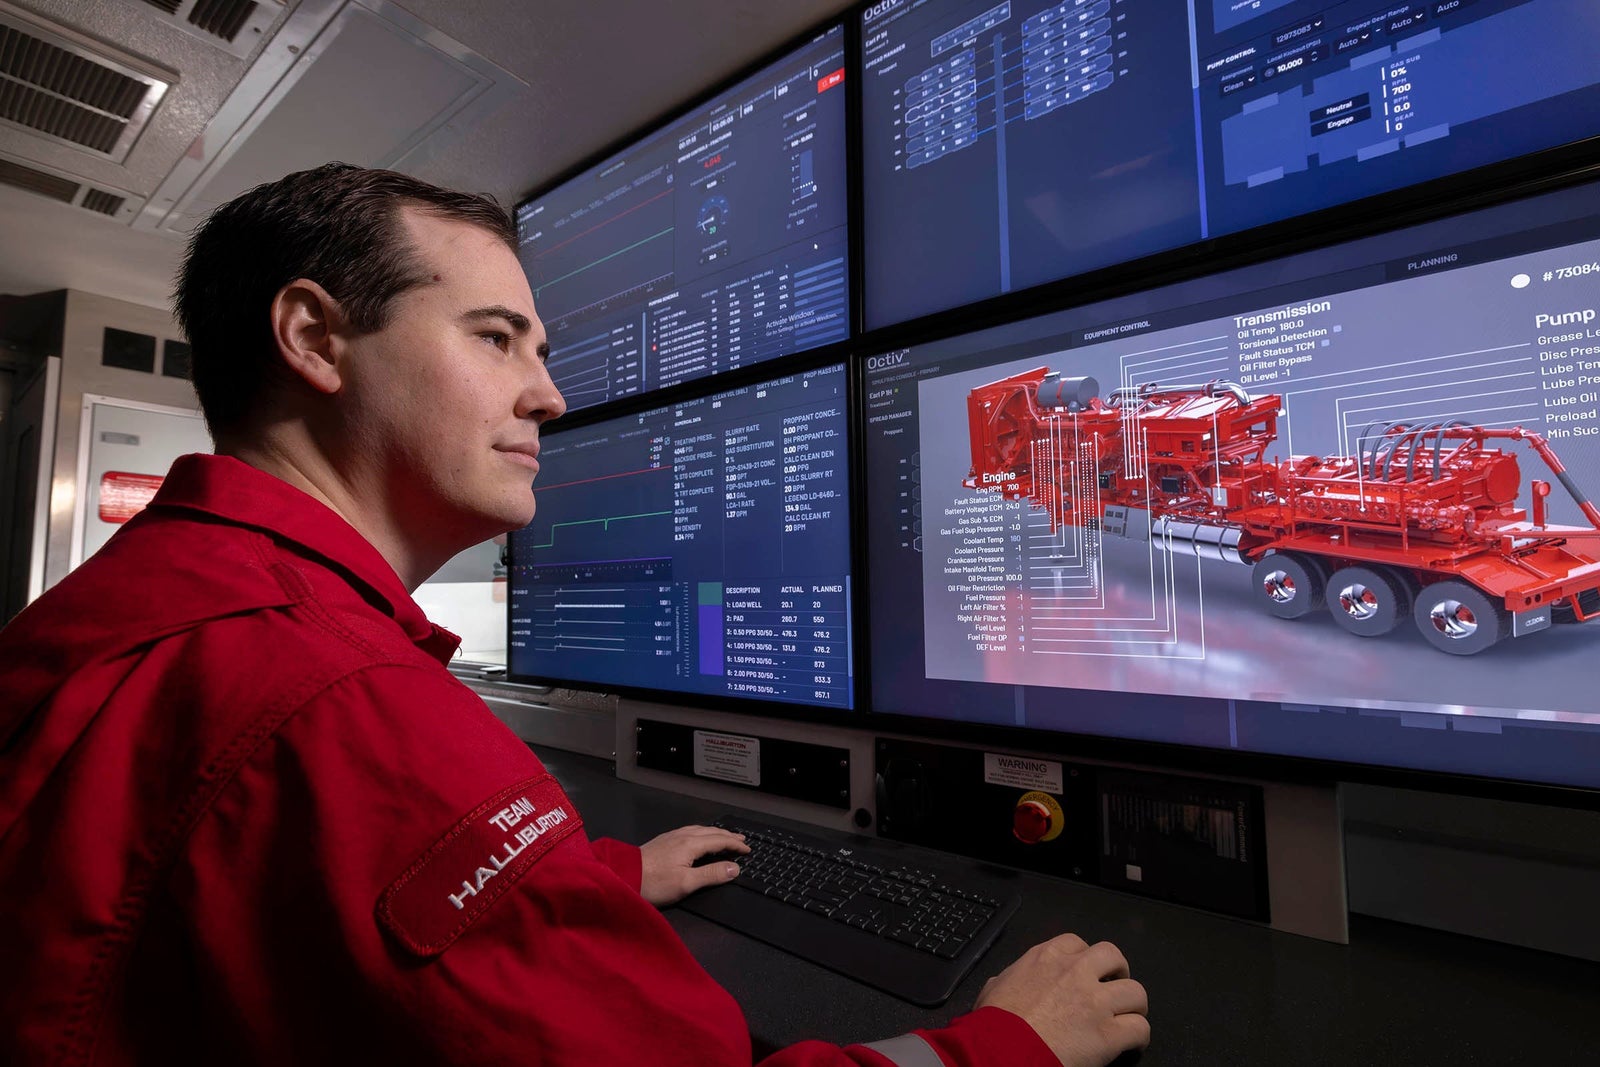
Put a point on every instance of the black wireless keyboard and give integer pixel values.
(858, 909)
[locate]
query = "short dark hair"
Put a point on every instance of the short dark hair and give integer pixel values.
(337, 225)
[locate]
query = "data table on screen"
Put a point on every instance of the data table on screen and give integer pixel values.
(714, 243)
(1024, 142)
(699, 548)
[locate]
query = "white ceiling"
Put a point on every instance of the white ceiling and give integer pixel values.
(586, 73)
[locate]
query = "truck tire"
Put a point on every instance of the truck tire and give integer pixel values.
(1459, 618)
(1288, 584)
(1367, 601)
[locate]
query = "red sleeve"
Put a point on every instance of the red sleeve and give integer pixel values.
(276, 907)
(988, 1037)
(991, 1035)
(621, 857)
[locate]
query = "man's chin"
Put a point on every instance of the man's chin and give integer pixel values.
(507, 518)
(518, 517)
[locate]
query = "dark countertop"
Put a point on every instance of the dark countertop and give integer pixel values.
(1222, 991)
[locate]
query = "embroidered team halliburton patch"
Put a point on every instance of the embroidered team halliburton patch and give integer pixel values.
(469, 868)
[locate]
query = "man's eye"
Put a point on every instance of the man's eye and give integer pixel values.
(499, 340)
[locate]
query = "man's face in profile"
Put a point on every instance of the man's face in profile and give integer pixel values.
(446, 401)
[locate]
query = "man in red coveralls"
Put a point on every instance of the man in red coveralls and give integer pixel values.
(246, 814)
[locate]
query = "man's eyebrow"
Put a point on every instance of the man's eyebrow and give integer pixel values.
(517, 321)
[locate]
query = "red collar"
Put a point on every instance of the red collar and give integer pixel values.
(235, 492)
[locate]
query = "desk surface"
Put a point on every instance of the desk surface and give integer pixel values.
(1221, 991)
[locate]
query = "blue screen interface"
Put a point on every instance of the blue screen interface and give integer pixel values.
(716, 242)
(702, 548)
(1022, 142)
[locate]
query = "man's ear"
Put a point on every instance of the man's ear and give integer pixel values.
(306, 323)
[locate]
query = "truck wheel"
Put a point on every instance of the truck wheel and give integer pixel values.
(1288, 584)
(1367, 601)
(1460, 619)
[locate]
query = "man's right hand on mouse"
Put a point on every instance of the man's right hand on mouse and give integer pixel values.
(1077, 997)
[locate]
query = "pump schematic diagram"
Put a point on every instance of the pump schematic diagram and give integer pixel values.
(1421, 521)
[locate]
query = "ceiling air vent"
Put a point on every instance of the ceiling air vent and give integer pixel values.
(98, 200)
(58, 84)
(37, 181)
(234, 25)
(221, 18)
(118, 204)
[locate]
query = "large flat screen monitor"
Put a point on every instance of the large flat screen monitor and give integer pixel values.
(699, 549)
(1011, 144)
(1334, 506)
(716, 242)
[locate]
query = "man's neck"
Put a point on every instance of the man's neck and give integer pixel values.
(308, 470)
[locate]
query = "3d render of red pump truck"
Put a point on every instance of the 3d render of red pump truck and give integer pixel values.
(1421, 521)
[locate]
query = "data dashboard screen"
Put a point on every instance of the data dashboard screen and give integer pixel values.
(702, 548)
(1021, 142)
(717, 242)
(1334, 506)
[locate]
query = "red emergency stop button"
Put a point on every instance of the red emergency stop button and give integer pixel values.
(1036, 818)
